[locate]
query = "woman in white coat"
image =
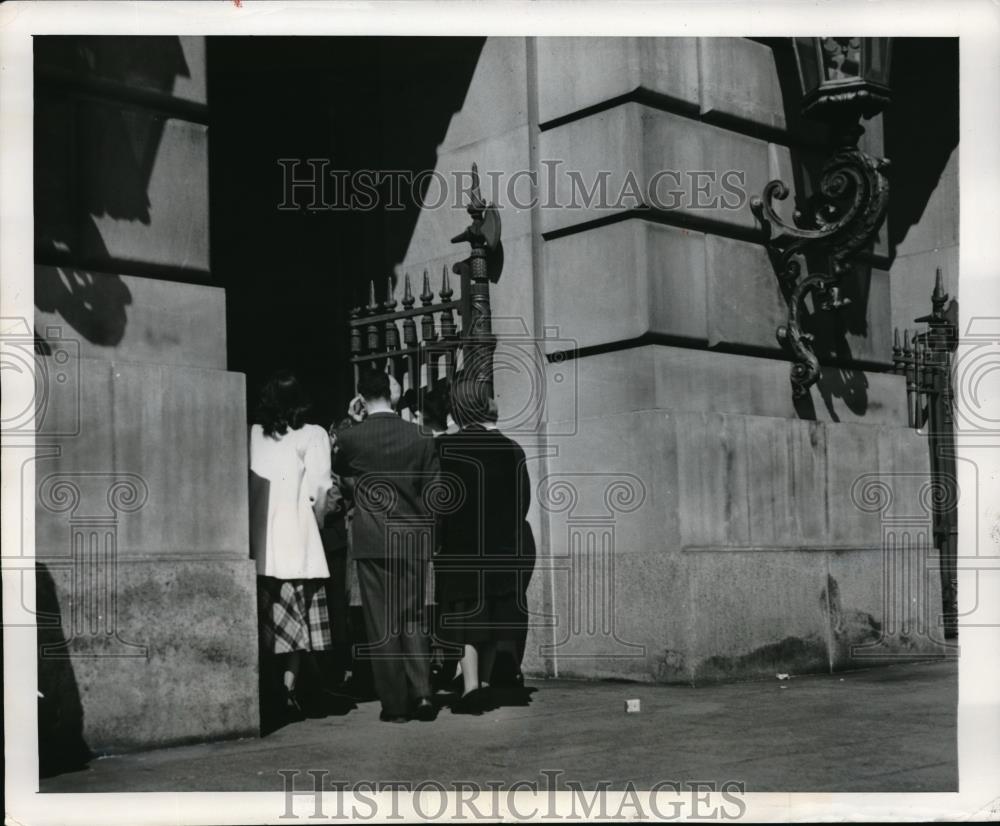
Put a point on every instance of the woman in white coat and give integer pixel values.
(294, 460)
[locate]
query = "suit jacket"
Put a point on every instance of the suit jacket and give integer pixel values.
(393, 465)
(485, 540)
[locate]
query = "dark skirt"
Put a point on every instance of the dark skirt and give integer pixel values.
(293, 615)
(490, 617)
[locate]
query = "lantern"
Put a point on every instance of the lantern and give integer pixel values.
(849, 74)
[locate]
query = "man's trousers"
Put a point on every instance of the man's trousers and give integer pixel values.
(398, 646)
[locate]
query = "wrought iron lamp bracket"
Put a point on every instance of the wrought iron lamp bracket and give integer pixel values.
(837, 223)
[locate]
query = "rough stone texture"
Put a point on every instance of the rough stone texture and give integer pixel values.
(575, 73)
(657, 376)
(124, 317)
(755, 615)
(141, 523)
(692, 547)
(180, 661)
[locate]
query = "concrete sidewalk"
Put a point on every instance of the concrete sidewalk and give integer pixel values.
(889, 729)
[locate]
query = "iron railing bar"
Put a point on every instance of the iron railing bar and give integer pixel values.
(435, 347)
(431, 308)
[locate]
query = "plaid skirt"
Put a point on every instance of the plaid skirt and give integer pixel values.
(293, 615)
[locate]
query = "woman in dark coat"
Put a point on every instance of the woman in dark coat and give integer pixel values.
(484, 540)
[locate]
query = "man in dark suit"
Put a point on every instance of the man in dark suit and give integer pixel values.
(392, 465)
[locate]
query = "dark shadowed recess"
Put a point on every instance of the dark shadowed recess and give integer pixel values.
(291, 276)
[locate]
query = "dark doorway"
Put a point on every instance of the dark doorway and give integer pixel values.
(291, 276)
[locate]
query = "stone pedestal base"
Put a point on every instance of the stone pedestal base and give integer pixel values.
(687, 544)
(164, 658)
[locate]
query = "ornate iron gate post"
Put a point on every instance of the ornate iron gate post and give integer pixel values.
(925, 358)
(477, 271)
(375, 339)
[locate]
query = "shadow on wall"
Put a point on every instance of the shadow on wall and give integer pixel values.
(94, 306)
(921, 127)
(61, 747)
(93, 159)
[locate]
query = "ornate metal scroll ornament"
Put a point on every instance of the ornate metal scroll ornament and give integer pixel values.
(838, 222)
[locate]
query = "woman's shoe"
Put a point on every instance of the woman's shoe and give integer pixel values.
(470, 703)
(293, 708)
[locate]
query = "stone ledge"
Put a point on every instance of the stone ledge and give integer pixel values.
(658, 376)
(619, 281)
(575, 73)
(131, 318)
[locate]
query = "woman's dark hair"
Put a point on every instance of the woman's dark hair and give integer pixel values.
(470, 402)
(435, 405)
(283, 404)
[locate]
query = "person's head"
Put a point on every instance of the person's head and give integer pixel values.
(283, 404)
(373, 386)
(435, 405)
(472, 402)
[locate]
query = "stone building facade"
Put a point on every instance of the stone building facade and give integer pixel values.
(694, 522)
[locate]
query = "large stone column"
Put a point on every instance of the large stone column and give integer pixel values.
(692, 522)
(146, 598)
(768, 536)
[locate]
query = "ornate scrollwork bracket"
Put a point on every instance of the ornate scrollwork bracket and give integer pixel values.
(838, 222)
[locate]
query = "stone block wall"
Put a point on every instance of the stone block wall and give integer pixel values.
(146, 595)
(693, 523)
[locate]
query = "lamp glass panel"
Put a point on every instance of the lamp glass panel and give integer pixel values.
(808, 59)
(842, 58)
(877, 59)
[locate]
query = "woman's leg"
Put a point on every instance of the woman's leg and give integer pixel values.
(293, 664)
(470, 670)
